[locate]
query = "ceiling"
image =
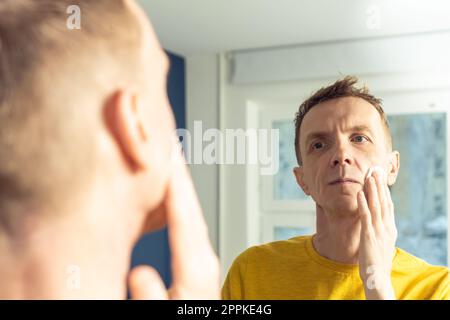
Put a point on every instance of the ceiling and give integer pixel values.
(191, 27)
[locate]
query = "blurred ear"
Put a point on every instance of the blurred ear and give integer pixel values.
(298, 173)
(394, 167)
(125, 123)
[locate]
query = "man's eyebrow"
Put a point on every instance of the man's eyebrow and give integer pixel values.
(324, 134)
(360, 128)
(316, 134)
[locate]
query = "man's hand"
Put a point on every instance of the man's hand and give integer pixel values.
(378, 237)
(195, 267)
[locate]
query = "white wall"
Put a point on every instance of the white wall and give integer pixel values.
(202, 104)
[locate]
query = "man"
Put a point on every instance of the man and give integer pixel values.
(86, 161)
(346, 163)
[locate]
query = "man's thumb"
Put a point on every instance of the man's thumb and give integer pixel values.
(146, 284)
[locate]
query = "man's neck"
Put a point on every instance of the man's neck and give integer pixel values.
(337, 236)
(66, 260)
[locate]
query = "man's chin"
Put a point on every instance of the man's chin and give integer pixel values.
(345, 204)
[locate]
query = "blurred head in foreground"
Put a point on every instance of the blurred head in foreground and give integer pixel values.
(85, 140)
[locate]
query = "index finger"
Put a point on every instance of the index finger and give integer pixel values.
(188, 234)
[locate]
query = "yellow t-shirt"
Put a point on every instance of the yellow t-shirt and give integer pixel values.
(292, 269)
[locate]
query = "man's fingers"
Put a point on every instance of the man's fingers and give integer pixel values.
(382, 197)
(387, 207)
(195, 267)
(187, 228)
(373, 202)
(390, 205)
(364, 213)
(194, 264)
(146, 284)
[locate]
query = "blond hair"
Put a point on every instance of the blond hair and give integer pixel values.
(51, 79)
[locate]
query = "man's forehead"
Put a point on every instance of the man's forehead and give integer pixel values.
(343, 113)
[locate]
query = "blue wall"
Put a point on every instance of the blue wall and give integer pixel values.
(153, 249)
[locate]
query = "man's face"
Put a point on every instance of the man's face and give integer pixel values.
(340, 140)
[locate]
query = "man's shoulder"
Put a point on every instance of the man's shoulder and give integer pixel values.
(413, 270)
(275, 250)
(407, 262)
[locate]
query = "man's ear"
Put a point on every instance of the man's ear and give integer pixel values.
(126, 125)
(298, 173)
(394, 167)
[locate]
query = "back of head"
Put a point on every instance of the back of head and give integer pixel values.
(53, 80)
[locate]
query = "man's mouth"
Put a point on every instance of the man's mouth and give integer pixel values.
(343, 181)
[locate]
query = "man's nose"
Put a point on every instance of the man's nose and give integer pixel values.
(341, 156)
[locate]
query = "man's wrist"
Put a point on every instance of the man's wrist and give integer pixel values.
(383, 290)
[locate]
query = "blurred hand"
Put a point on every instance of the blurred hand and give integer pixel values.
(195, 267)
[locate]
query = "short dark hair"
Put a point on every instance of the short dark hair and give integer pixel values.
(345, 87)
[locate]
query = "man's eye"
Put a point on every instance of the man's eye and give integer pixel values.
(317, 145)
(359, 138)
